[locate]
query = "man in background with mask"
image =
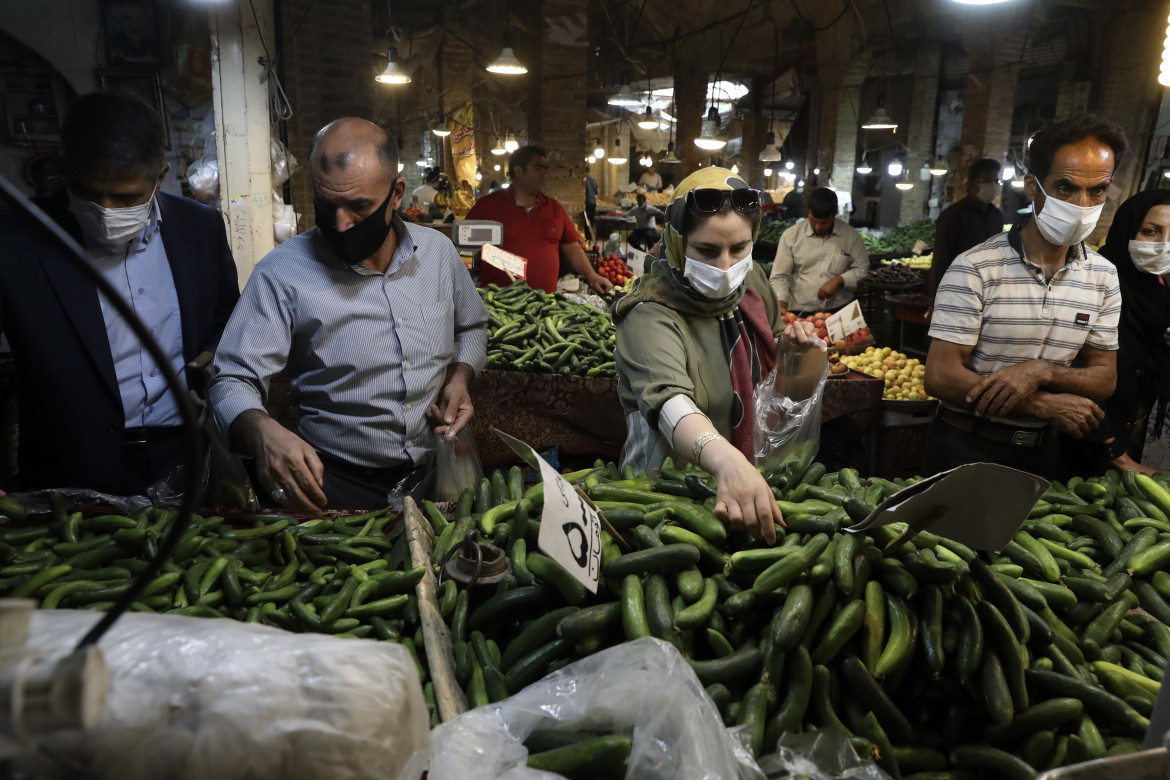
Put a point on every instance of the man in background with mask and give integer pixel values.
(94, 409)
(968, 222)
(1013, 314)
(375, 321)
(820, 260)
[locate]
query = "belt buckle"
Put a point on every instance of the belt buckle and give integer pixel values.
(135, 437)
(1026, 438)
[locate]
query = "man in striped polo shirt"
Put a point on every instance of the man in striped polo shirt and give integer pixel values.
(1025, 324)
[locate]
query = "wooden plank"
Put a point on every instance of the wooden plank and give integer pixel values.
(436, 636)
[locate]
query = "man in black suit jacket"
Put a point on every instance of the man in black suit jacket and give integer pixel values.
(94, 412)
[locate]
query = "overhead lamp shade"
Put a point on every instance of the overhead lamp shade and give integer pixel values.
(864, 169)
(710, 140)
(598, 149)
(980, 2)
(670, 158)
(510, 143)
(499, 149)
(393, 74)
(648, 122)
(617, 158)
(507, 64)
(880, 119)
(938, 169)
(770, 152)
(440, 128)
(895, 168)
(625, 95)
(904, 185)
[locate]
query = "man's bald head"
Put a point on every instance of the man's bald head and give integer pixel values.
(338, 144)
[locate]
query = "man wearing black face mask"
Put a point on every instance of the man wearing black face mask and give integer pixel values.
(375, 321)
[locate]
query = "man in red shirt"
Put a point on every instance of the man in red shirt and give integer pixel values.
(536, 227)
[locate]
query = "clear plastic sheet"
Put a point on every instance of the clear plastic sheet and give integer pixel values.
(787, 427)
(644, 689)
(194, 698)
(819, 755)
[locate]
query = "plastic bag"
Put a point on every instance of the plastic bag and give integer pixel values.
(457, 465)
(787, 428)
(197, 698)
(284, 164)
(819, 755)
(644, 689)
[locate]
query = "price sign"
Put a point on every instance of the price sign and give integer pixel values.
(636, 261)
(844, 322)
(570, 529)
(506, 261)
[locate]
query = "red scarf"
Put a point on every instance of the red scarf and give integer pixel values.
(751, 354)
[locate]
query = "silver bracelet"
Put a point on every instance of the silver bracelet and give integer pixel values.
(702, 441)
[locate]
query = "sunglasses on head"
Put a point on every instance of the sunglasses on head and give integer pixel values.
(709, 201)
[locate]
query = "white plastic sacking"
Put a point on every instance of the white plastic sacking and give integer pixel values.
(198, 698)
(644, 689)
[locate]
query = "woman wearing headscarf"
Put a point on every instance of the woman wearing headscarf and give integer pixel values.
(1139, 245)
(695, 338)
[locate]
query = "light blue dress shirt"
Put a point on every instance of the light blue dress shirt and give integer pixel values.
(142, 275)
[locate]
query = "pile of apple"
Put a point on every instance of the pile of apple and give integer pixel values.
(903, 375)
(857, 338)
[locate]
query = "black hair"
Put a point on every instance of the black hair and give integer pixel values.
(112, 131)
(522, 157)
(1050, 138)
(822, 203)
(980, 167)
(386, 150)
(432, 174)
(693, 218)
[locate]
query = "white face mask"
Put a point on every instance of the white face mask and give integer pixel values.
(989, 191)
(113, 228)
(715, 283)
(1064, 224)
(1153, 257)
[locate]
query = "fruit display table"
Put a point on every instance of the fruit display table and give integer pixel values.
(583, 416)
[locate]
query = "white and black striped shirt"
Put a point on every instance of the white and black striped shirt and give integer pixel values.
(994, 299)
(366, 353)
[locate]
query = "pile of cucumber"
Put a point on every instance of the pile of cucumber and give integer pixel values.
(940, 662)
(531, 330)
(337, 576)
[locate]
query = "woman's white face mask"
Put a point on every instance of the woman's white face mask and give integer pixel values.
(1153, 257)
(715, 283)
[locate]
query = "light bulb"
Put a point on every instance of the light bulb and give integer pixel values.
(590, 159)
(478, 176)
(816, 171)
(598, 149)
(735, 169)
(495, 167)
(511, 144)
(789, 165)
(895, 168)
(768, 171)
(1018, 184)
(1008, 172)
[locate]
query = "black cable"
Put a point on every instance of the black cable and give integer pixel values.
(297, 26)
(191, 432)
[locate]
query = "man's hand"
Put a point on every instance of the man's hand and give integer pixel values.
(600, 284)
(996, 395)
(199, 372)
(284, 461)
(830, 288)
(1072, 414)
(453, 408)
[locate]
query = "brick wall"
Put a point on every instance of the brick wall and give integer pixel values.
(328, 73)
(919, 132)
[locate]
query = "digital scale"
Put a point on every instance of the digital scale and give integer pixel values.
(469, 236)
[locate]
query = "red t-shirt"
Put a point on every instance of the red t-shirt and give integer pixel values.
(535, 235)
